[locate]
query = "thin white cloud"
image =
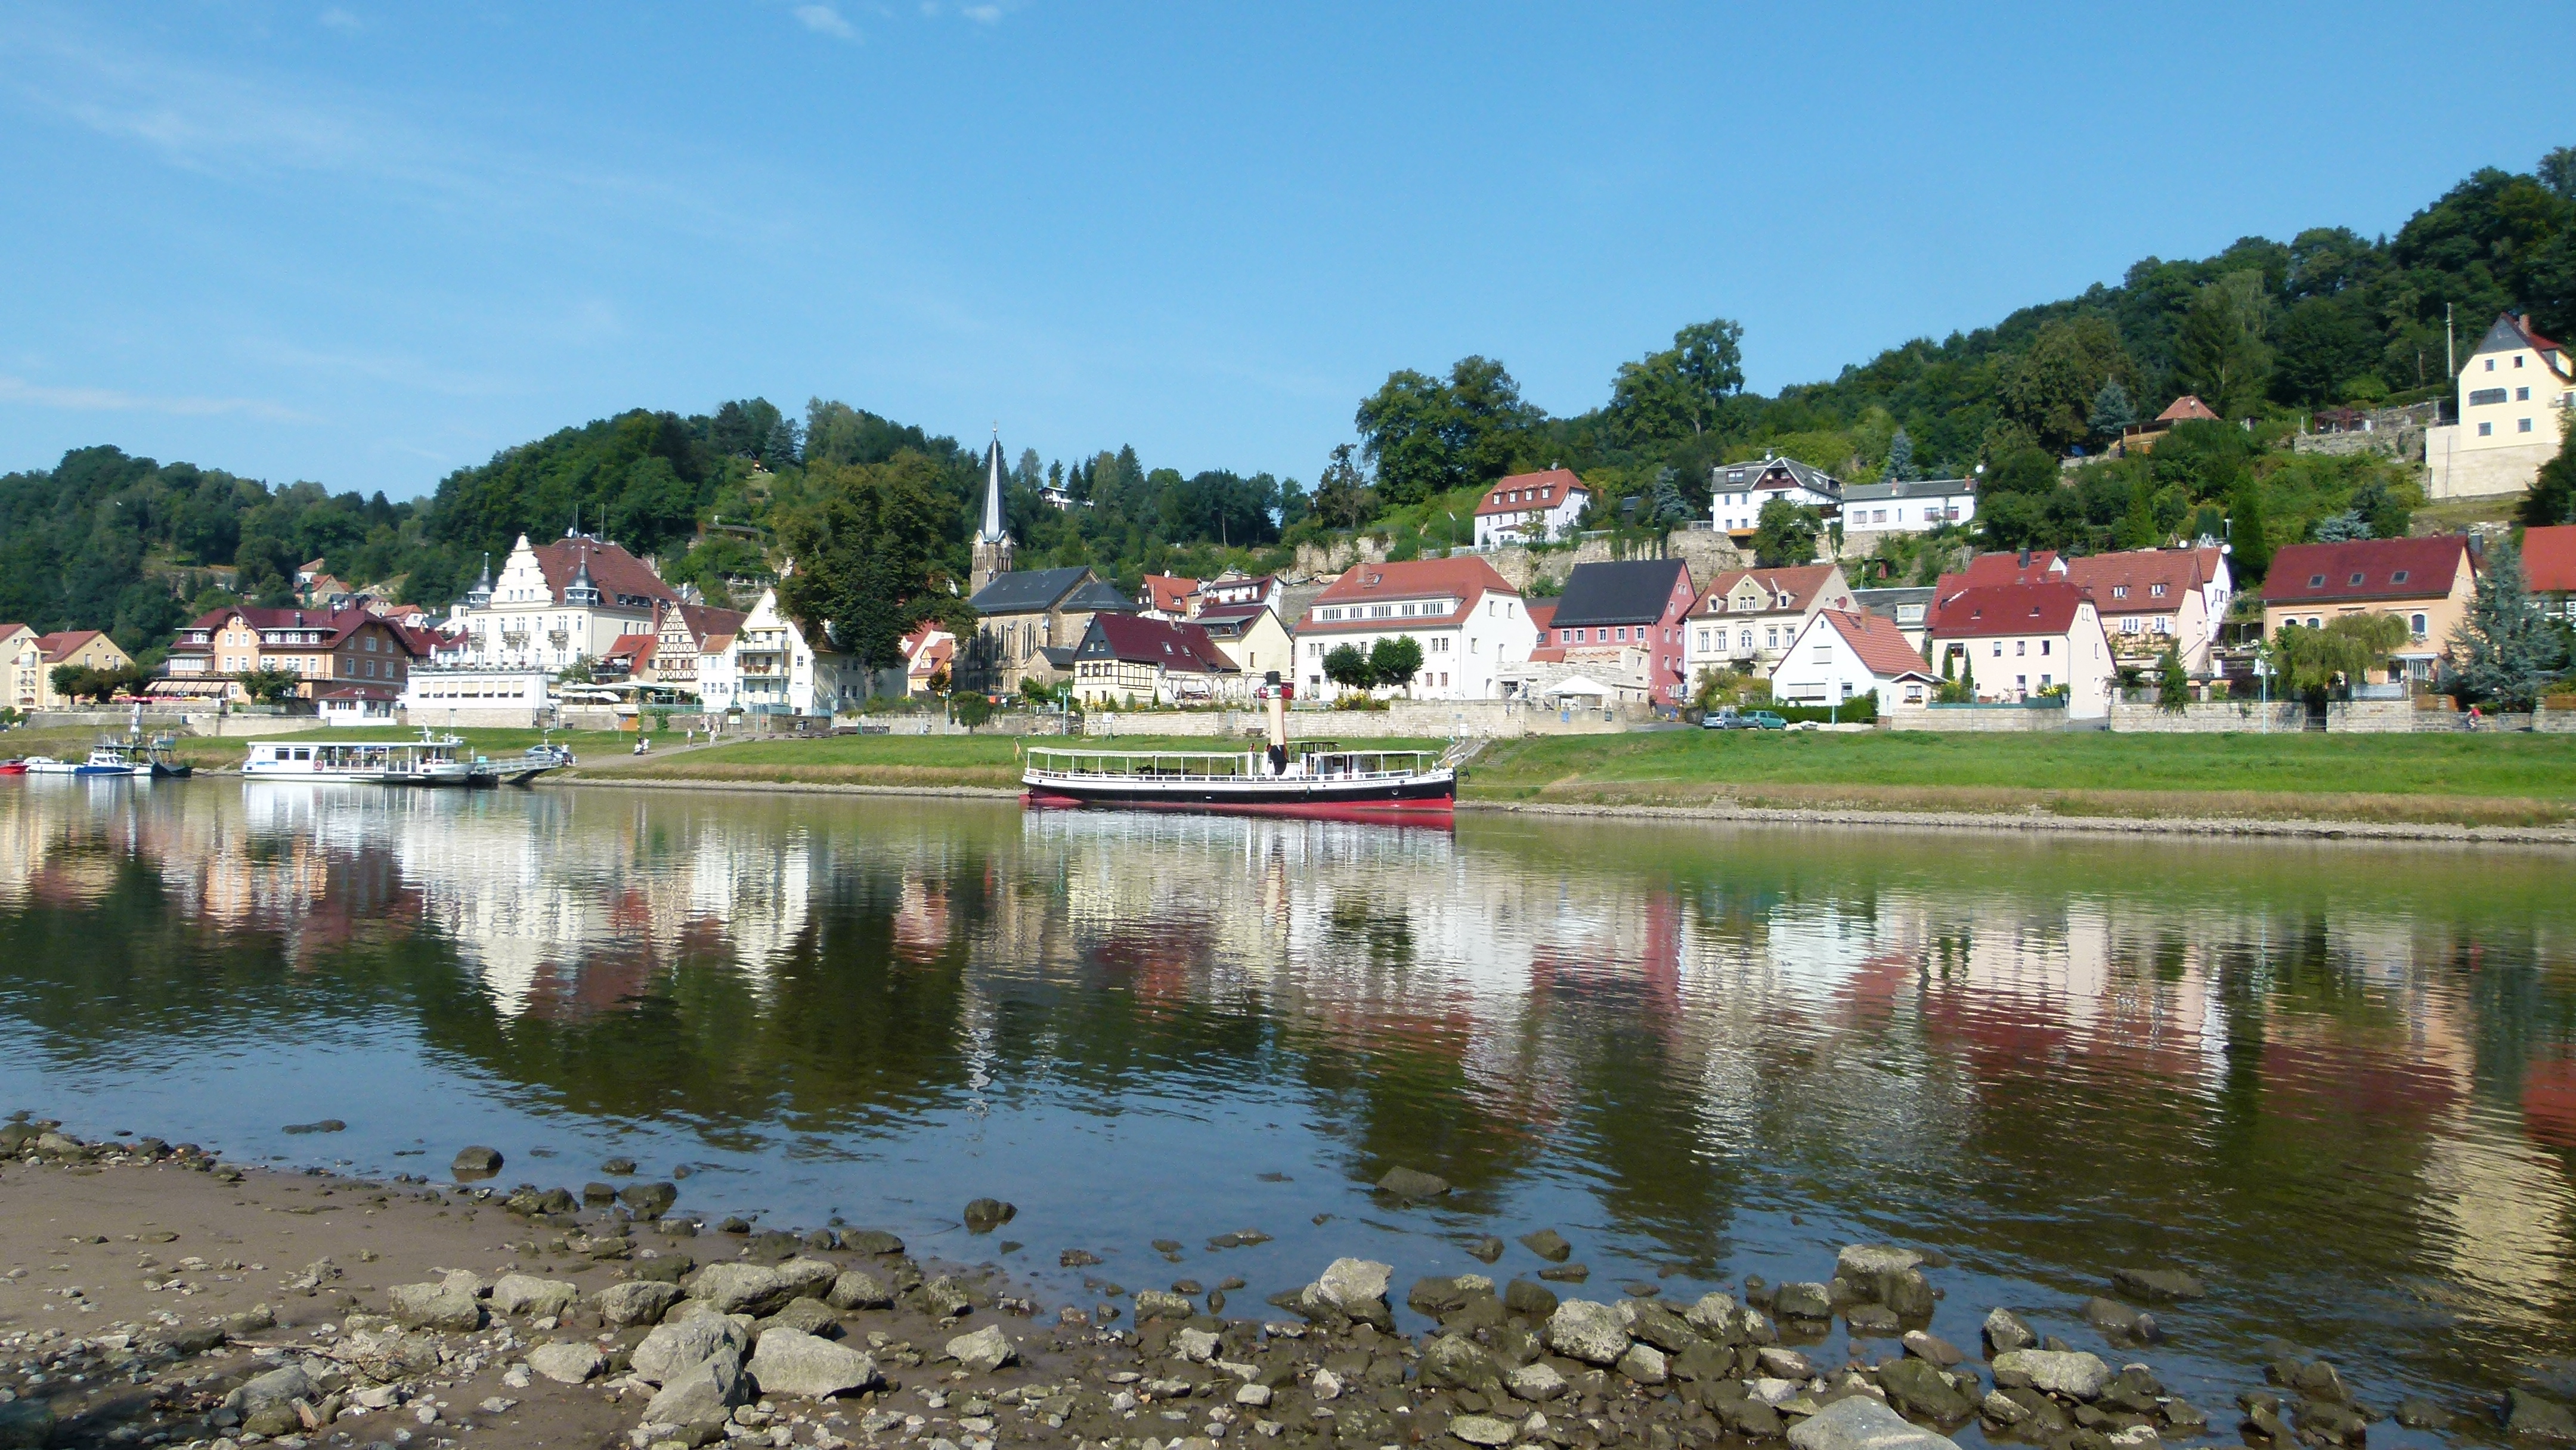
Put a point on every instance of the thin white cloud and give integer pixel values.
(111, 400)
(982, 14)
(341, 20)
(824, 20)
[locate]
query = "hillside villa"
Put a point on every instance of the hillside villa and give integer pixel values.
(2428, 583)
(1531, 508)
(1250, 636)
(1904, 506)
(2513, 400)
(1741, 489)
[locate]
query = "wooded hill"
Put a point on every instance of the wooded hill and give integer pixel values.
(2264, 329)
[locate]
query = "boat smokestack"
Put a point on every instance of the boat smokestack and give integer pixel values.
(1275, 694)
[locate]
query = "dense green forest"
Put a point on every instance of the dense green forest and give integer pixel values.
(879, 512)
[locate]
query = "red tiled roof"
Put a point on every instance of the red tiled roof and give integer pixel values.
(1230, 613)
(2000, 609)
(1174, 644)
(616, 572)
(2365, 569)
(2548, 561)
(1987, 570)
(1462, 580)
(635, 647)
(353, 690)
(1542, 612)
(1791, 586)
(1879, 643)
(1524, 492)
(2187, 406)
(334, 623)
(703, 621)
(2125, 583)
(8, 631)
(2538, 342)
(59, 645)
(1169, 592)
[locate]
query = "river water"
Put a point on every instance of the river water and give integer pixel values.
(2338, 1081)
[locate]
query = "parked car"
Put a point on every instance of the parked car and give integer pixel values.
(1731, 718)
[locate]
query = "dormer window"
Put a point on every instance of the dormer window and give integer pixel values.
(2119, 591)
(2156, 591)
(2399, 577)
(2316, 581)
(2355, 579)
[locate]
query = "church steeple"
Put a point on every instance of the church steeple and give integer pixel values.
(993, 553)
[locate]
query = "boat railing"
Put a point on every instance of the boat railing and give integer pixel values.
(1226, 765)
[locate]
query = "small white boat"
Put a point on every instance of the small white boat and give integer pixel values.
(106, 760)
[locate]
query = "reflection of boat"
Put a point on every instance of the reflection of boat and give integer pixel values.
(1312, 778)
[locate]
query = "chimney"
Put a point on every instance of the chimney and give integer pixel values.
(2025, 558)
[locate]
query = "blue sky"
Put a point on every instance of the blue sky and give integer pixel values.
(369, 243)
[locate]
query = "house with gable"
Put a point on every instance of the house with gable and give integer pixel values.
(1748, 617)
(2548, 568)
(1251, 638)
(1843, 654)
(2427, 583)
(2514, 397)
(1127, 660)
(2023, 641)
(1531, 508)
(1168, 596)
(2152, 598)
(552, 606)
(1631, 607)
(1467, 618)
(319, 647)
(1741, 489)
(686, 634)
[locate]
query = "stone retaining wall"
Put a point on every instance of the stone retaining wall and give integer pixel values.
(2210, 718)
(1413, 719)
(2008, 718)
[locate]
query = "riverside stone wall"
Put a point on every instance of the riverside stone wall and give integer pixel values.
(2003, 718)
(1405, 719)
(2214, 718)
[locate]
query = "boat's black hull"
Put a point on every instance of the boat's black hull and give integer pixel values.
(1406, 797)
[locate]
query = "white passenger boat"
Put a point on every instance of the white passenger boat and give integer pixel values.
(1308, 778)
(432, 760)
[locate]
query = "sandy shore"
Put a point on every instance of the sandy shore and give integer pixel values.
(1731, 813)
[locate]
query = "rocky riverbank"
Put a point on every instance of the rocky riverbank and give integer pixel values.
(153, 1295)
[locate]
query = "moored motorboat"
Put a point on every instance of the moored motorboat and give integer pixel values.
(101, 762)
(1307, 778)
(13, 767)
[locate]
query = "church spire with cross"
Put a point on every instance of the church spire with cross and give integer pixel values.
(993, 552)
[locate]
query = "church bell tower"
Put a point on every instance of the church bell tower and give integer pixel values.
(993, 551)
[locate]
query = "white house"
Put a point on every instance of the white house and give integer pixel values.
(1842, 654)
(1741, 489)
(2021, 641)
(1531, 508)
(477, 699)
(2514, 397)
(1468, 620)
(1912, 506)
(1748, 616)
(2151, 598)
(771, 670)
(570, 600)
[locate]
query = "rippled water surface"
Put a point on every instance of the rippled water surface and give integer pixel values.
(2336, 1080)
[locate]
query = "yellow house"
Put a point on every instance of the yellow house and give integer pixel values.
(2427, 583)
(83, 647)
(1252, 637)
(21, 668)
(2514, 397)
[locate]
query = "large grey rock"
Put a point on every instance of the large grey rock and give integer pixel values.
(1581, 1329)
(2158, 1283)
(569, 1364)
(528, 1294)
(1452, 1362)
(807, 1278)
(704, 1393)
(1161, 1304)
(1918, 1385)
(2072, 1373)
(791, 1362)
(637, 1301)
(805, 1316)
(2004, 1331)
(1536, 1381)
(1864, 1263)
(478, 1161)
(1486, 1430)
(1656, 1325)
(674, 1348)
(1645, 1364)
(741, 1288)
(985, 1350)
(1354, 1284)
(1548, 1244)
(435, 1306)
(1862, 1423)
(1716, 1316)
(859, 1289)
(2529, 1414)
(267, 1404)
(1410, 1183)
(649, 1200)
(1803, 1301)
